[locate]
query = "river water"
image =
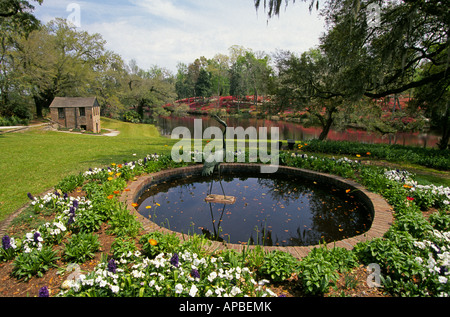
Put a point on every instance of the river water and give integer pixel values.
(292, 130)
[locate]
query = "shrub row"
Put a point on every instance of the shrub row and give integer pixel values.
(428, 157)
(12, 121)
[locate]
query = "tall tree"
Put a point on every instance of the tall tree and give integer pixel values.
(238, 83)
(249, 72)
(182, 84)
(58, 60)
(382, 59)
(16, 22)
(151, 88)
(20, 13)
(314, 83)
(203, 85)
(218, 67)
(258, 73)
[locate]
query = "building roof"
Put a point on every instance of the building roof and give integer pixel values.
(74, 102)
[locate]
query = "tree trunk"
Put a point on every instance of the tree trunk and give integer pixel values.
(326, 123)
(43, 101)
(326, 128)
(39, 106)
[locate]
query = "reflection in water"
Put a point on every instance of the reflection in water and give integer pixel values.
(268, 211)
(292, 130)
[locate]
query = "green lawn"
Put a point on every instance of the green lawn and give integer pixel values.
(36, 160)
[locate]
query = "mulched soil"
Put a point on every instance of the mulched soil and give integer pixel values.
(350, 284)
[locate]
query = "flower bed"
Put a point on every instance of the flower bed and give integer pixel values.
(413, 255)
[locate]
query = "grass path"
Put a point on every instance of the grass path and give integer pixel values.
(36, 160)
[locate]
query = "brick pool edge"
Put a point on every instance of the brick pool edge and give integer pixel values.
(381, 210)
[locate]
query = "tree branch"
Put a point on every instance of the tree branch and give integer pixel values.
(427, 80)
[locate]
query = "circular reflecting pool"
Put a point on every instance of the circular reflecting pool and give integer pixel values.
(270, 210)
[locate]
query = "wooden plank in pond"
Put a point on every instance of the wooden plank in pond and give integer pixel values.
(220, 199)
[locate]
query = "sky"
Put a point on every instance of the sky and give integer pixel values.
(168, 32)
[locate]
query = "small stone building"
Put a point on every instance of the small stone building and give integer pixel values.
(76, 113)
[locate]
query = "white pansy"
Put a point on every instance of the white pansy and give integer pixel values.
(209, 293)
(235, 291)
(193, 291)
(212, 276)
(115, 289)
(443, 280)
(178, 288)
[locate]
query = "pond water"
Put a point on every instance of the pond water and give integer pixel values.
(270, 211)
(292, 130)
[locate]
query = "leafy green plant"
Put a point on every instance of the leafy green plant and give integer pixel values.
(53, 232)
(232, 256)
(413, 223)
(350, 281)
(319, 270)
(87, 221)
(123, 246)
(440, 220)
(155, 243)
(254, 257)
(278, 266)
(198, 244)
(123, 223)
(27, 265)
(81, 247)
(70, 183)
(9, 248)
